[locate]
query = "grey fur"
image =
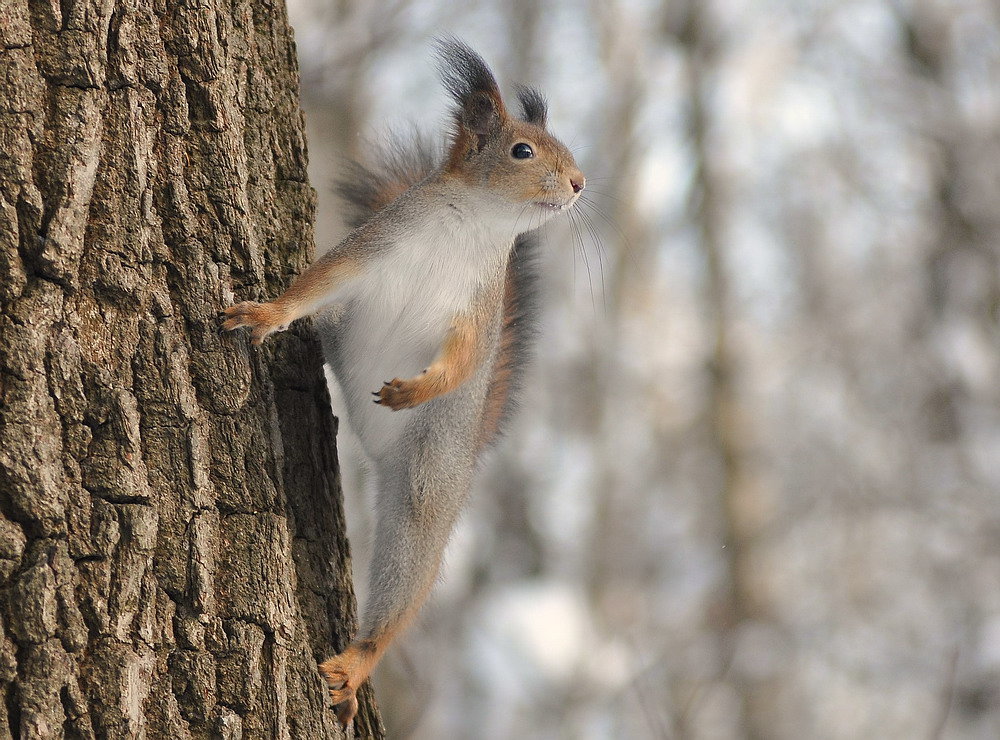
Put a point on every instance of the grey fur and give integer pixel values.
(405, 158)
(456, 263)
(410, 160)
(423, 488)
(421, 495)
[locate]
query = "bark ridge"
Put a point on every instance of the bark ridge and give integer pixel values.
(172, 551)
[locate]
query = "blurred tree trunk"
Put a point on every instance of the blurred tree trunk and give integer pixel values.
(963, 243)
(728, 430)
(172, 556)
(601, 371)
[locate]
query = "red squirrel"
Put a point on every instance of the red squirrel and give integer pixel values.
(434, 285)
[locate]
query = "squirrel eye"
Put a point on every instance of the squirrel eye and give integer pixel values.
(522, 151)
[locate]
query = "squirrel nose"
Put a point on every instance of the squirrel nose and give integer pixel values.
(578, 183)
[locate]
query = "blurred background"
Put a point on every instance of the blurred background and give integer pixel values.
(754, 489)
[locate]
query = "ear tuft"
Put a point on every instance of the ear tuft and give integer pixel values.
(471, 84)
(533, 106)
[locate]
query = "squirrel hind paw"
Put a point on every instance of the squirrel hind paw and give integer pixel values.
(346, 710)
(342, 694)
(344, 673)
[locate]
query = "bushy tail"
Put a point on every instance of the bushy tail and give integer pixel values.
(517, 334)
(368, 189)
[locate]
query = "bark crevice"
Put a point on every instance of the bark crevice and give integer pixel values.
(173, 560)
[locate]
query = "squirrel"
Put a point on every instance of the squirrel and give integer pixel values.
(435, 287)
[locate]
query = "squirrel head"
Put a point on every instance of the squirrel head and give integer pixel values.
(514, 158)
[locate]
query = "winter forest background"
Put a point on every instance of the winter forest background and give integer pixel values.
(753, 491)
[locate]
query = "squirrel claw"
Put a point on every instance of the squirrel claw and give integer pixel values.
(343, 678)
(261, 318)
(398, 394)
(346, 710)
(341, 695)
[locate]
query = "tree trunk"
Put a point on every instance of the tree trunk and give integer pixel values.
(172, 552)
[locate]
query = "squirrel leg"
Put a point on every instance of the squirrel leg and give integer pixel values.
(460, 356)
(307, 293)
(415, 521)
(261, 318)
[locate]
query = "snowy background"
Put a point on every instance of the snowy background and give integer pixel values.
(754, 491)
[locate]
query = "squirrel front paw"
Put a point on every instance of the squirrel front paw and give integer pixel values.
(399, 394)
(262, 318)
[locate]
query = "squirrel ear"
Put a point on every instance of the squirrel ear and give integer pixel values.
(479, 106)
(480, 115)
(533, 106)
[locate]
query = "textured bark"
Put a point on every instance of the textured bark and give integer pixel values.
(172, 551)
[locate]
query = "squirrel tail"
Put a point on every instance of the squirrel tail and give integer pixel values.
(517, 332)
(367, 189)
(406, 162)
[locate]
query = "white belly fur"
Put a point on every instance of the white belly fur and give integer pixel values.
(397, 314)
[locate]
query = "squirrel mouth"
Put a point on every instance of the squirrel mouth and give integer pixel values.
(553, 206)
